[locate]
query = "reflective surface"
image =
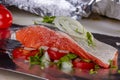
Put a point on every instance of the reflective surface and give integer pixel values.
(52, 73)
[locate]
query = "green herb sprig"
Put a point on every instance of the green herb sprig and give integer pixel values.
(66, 58)
(48, 19)
(92, 71)
(36, 60)
(89, 37)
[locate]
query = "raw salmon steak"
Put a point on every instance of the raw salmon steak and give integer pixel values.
(36, 36)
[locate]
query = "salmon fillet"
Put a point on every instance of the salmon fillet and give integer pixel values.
(36, 36)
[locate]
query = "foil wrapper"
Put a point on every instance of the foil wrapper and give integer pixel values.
(72, 8)
(109, 8)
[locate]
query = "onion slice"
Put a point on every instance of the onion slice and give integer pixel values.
(73, 28)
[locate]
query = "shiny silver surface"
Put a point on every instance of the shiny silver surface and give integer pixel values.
(53, 73)
(101, 26)
(72, 8)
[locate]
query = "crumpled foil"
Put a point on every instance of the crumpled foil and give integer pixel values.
(72, 8)
(109, 8)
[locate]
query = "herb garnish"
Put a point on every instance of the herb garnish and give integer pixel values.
(76, 30)
(89, 39)
(66, 58)
(36, 60)
(111, 64)
(35, 23)
(119, 71)
(92, 71)
(48, 19)
(41, 58)
(97, 67)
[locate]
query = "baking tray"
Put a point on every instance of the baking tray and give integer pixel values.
(52, 73)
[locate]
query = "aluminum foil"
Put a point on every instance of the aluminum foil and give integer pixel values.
(53, 73)
(73, 8)
(109, 8)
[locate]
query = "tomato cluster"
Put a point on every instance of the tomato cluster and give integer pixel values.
(20, 53)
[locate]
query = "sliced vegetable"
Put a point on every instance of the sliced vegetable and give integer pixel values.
(66, 58)
(55, 55)
(66, 66)
(21, 53)
(70, 26)
(18, 53)
(73, 28)
(45, 60)
(83, 65)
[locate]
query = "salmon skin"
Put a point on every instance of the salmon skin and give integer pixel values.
(36, 36)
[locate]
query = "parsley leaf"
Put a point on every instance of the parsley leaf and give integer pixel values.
(89, 38)
(48, 19)
(66, 58)
(92, 71)
(36, 60)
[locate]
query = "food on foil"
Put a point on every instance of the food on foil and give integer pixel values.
(109, 8)
(64, 43)
(71, 8)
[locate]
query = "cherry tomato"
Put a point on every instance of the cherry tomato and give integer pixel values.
(55, 55)
(83, 65)
(5, 18)
(18, 53)
(31, 53)
(4, 33)
(1, 6)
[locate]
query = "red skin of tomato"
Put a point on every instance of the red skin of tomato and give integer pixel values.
(4, 33)
(55, 55)
(31, 53)
(83, 65)
(5, 18)
(2, 6)
(18, 53)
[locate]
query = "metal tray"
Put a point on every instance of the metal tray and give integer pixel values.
(52, 73)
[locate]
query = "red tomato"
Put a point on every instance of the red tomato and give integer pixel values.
(83, 65)
(18, 53)
(5, 18)
(55, 55)
(4, 33)
(1, 6)
(31, 53)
